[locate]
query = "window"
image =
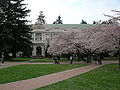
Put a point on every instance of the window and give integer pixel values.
(38, 36)
(56, 27)
(40, 27)
(74, 27)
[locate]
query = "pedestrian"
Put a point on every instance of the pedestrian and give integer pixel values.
(58, 57)
(95, 58)
(2, 61)
(71, 59)
(49, 57)
(55, 60)
(99, 60)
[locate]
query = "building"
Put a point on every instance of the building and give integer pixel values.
(42, 34)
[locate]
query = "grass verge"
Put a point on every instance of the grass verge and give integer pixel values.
(49, 60)
(23, 72)
(110, 58)
(106, 77)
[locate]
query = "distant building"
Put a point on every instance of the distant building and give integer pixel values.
(42, 34)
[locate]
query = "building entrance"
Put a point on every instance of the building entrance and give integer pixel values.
(38, 51)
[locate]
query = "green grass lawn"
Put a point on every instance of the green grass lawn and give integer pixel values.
(43, 60)
(22, 72)
(62, 60)
(30, 59)
(18, 59)
(21, 58)
(46, 59)
(102, 78)
(110, 58)
(36, 60)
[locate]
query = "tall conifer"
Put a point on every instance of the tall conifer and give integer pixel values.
(15, 34)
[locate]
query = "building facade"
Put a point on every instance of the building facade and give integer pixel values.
(42, 34)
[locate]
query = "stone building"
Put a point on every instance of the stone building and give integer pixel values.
(42, 34)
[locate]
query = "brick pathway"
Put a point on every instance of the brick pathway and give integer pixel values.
(38, 82)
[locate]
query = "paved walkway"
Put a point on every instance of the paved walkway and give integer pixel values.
(38, 82)
(9, 64)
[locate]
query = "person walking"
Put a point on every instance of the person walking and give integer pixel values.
(55, 60)
(95, 58)
(2, 61)
(99, 60)
(71, 59)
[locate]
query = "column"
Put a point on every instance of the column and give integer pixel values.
(43, 50)
(42, 37)
(34, 36)
(34, 51)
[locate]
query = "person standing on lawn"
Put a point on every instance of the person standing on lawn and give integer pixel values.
(55, 60)
(99, 59)
(2, 60)
(95, 58)
(71, 59)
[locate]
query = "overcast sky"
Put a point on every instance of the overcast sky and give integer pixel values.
(72, 11)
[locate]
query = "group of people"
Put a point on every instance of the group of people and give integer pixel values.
(97, 59)
(56, 59)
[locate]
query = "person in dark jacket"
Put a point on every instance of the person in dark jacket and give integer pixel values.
(95, 58)
(99, 59)
(56, 60)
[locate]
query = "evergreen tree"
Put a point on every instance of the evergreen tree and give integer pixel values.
(58, 21)
(14, 32)
(83, 22)
(94, 22)
(41, 18)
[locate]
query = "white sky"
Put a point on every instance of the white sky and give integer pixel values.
(72, 11)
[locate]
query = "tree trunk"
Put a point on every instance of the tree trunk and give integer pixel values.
(79, 56)
(6, 57)
(46, 50)
(14, 55)
(89, 58)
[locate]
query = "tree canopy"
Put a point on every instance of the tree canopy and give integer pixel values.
(83, 22)
(15, 34)
(58, 21)
(41, 18)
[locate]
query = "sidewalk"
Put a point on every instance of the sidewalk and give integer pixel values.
(9, 64)
(38, 82)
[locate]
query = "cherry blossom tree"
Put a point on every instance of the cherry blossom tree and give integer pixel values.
(63, 43)
(72, 41)
(111, 39)
(88, 40)
(95, 39)
(114, 33)
(116, 16)
(104, 38)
